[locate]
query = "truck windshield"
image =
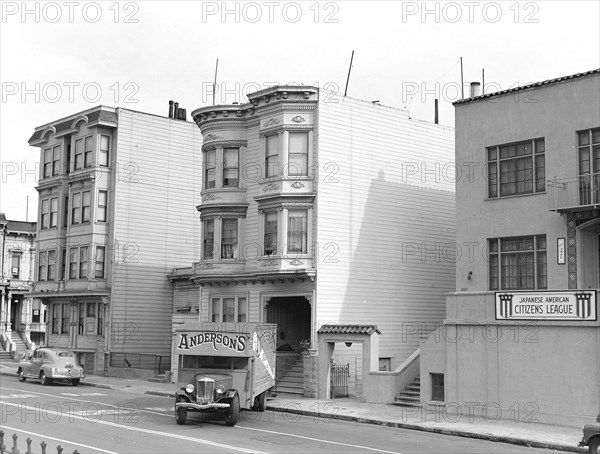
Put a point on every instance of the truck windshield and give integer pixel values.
(213, 362)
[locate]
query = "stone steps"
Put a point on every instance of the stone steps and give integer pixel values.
(411, 396)
(292, 381)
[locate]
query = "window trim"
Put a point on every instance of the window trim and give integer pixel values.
(220, 297)
(102, 213)
(104, 154)
(102, 262)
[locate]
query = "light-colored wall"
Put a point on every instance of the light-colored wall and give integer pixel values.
(156, 228)
(555, 112)
(385, 221)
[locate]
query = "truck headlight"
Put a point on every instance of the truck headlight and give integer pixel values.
(220, 389)
(189, 388)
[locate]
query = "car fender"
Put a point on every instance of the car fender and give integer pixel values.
(181, 393)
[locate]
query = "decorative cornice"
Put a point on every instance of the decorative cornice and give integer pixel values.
(270, 187)
(296, 262)
(271, 122)
(207, 197)
(211, 137)
(298, 119)
(224, 144)
(297, 185)
(208, 266)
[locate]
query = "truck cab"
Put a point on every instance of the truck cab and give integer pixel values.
(223, 368)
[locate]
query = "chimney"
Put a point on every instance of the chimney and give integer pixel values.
(435, 118)
(475, 89)
(170, 109)
(182, 114)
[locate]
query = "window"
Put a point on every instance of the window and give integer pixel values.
(229, 309)
(65, 319)
(272, 156)
(56, 160)
(297, 231)
(53, 212)
(76, 208)
(66, 211)
(437, 387)
(74, 263)
(83, 262)
(47, 162)
(209, 238)
(210, 163)
(516, 168)
(589, 166)
(104, 151)
(35, 317)
(270, 233)
(51, 265)
(231, 167)
(79, 154)
(99, 267)
(45, 214)
(43, 266)
(15, 265)
(102, 199)
(55, 318)
(52, 161)
(229, 238)
(87, 160)
(85, 210)
(100, 321)
(81, 324)
(518, 263)
(63, 265)
(91, 310)
(298, 154)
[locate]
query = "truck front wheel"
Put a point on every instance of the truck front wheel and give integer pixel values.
(595, 445)
(180, 412)
(233, 413)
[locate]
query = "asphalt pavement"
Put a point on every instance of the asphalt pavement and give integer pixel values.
(349, 409)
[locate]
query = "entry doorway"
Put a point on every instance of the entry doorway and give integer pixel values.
(292, 316)
(589, 255)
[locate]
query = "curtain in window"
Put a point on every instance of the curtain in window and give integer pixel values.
(297, 231)
(229, 239)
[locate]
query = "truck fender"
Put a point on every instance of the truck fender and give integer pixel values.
(230, 393)
(181, 393)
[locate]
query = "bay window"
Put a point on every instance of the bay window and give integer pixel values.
(208, 233)
(231, 167)
(298, 154)
(228, 309)
(272, 156)
(297, 231)
(229, 238)
(270, 245)
(210, 171)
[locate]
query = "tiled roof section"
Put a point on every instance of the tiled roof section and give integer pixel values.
(21, 226)
(97, 115)
(348, 329)
(529, 86)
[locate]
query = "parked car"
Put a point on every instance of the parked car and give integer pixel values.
(591, 436)
(48, 364)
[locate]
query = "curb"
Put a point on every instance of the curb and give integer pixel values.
(442, 431)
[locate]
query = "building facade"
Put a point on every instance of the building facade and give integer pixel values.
(316, 210)
(521, 339)
(22, 317)
(116, 195)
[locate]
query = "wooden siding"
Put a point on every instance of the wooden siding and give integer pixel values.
(386, 222)
(186, 296)
(156, 226)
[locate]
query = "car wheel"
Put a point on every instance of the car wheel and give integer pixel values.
(261, 402)
(233, 413)
(595, 445)
(21, 375)
(45, 380)
(75, 381)
(180, 412)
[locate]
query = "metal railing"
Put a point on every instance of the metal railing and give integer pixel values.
(159, 364)
(339, 380)
(574, 192)
(43, 445)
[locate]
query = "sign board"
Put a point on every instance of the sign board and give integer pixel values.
(211, 343)
(560, 251)
(547, 305)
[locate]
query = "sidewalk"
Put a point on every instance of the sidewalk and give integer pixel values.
(346, 409)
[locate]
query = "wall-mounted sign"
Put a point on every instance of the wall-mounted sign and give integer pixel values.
(560, 251)
(548, 305)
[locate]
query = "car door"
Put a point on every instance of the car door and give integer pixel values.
(36, 363)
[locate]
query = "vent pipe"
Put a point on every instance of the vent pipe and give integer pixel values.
(435, 118)
(170, 109)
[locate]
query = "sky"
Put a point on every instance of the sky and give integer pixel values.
(60, 58)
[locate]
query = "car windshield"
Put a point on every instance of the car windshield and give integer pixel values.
(66, 354)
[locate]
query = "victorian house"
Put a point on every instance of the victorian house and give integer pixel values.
(117, 190)
(316, 210)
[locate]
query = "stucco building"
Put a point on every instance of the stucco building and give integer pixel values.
(521, 338)
(117, 190)
(317, 210)
(21, 316)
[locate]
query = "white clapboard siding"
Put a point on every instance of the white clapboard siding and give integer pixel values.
(382, 194)
(185, 295)
(156, 226)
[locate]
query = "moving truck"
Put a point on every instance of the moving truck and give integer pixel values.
(223, 367)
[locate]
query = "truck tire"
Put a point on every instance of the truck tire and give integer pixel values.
(261, 402)
(595, 445)
(21, 375)
(75, 381)
(233, 413)
(180, 412)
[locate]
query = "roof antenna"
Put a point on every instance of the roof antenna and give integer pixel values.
(215, 83)
(348, 78)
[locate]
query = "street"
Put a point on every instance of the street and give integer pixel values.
(92, 420)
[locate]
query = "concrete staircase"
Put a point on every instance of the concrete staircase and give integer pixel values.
(292, 381)
(411, 396)
(19, 344)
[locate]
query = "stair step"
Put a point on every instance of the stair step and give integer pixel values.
(289, 384)
(286, 390)
(403, 398)
(410, 393)
(404, 404)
